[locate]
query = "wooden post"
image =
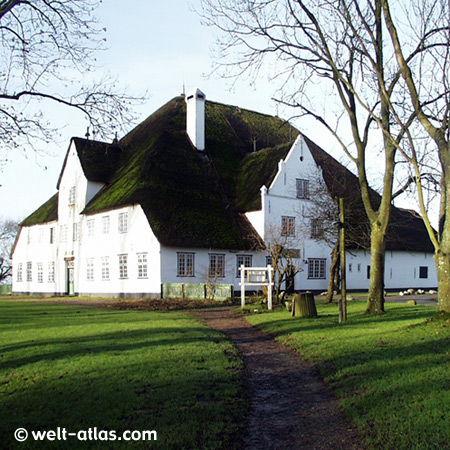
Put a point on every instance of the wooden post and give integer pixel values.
(343, 301)
(242, 286)
(304, 305)
(269, 288)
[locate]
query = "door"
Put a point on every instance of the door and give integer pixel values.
(70, 277)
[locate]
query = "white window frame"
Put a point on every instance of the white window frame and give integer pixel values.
(123, 266)
(90, 223)
(40, 272)
(302, 188)
(76, 231)
(29, 271)
(317, 268)
(243, 260)
(19, 274)
(105, 268)
(142, 265)
(106, 224)
(51, 272)
(216, 268)
(287, 226)
(316, 228)
(185, 264)
(90, 269)
(123, 222)
(72, 195)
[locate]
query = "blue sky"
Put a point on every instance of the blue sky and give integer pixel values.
(152, 46)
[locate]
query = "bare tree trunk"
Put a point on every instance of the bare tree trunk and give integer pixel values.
(334, 268)
(375, 304)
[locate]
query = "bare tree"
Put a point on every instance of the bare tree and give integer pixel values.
(336, 48)
(421, 39)
(47, 53)
(8, 232)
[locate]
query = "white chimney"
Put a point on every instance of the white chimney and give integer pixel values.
(195, 118)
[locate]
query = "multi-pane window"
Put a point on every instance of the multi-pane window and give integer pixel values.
(29, 271)
(63, 233)
(40, 273)
(90, 269)
(51, 272)
(41, 236)
(105, 224)
(72, 196)
(29, 236)
(19, 273)
(105, 268)
(52, 235)
(423, 272)
(287, 226)
(316, 268)
(90, 227)
(142, 265)
(76, 231)
(185, 264)
(316, 228)
(302, 188)
(216, 265)
(123, 266)
(350, 267)
(359, 267)
(123, 222)
(242, 260)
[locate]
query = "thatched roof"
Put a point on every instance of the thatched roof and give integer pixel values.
(198, 199)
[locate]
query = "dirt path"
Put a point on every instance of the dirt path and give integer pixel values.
(291, 408)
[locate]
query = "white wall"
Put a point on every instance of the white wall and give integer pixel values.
(402, 270)
(280, 199)
(201, 261)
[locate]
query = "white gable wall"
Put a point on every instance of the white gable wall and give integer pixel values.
(280, 200)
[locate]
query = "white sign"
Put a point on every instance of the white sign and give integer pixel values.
(257, 276)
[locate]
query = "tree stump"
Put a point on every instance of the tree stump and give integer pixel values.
(304, 305)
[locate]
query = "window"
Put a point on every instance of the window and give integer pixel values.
(90, 227)
(105, 224)
(359, 267)
(269, 260)
(105, 268)
(368, 272)
(90, 269)
(216, 265)
(287, 226)
(52, 235)
(63, 232)
(72, 196)
(123, 222)
(242, 260)
(423, 272)
(302, 188)
(29, 236)
(51, 272)
(76, 231)
(19, 273)
(41, 236)
(185, 264)
(123, 266)
(142, 265)
(350, 267)
(40, 273)
(316, 228)
(29, 271)
(316, 268)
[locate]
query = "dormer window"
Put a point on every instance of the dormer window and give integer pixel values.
(72, 196)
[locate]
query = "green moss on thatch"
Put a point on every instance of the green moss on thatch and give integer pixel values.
(258, 169)
(48, 212)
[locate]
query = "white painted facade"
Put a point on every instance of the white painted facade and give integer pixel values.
(115, 252)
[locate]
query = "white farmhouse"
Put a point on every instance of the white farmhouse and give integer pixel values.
(192, 193)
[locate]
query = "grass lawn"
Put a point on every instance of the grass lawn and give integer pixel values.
(392, 372)
(78, 367)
